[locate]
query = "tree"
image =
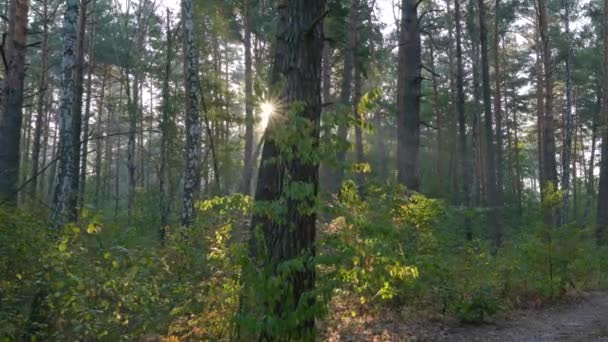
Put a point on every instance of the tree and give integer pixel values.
(465, 165)
(289, 235)
(602, 200)
(408, 97)
(567, 146)
(193, 125)
(64, 200)
(249, 120)
(548, 130)
(12, 100)
(42, 97)
(347, 80)
(490, 169)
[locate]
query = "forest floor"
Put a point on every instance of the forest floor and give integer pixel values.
(584, 318)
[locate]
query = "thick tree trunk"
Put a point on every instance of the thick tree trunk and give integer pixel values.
(10, 121)
(249, 119)
(408, 97)
(290, 235)
(64, 200)
(193, 125)
(491, 186)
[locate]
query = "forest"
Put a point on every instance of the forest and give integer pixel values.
(301, 170)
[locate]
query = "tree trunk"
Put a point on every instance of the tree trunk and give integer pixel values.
(41, 101)
(87, 110)
(548, 155)
(193, 125)
(77, 104)
(98, 140)
(249, 119)
(567, 146)
(408, 97)
(440, 156)
(492, 195)
(290, 235)
(163, 175)
(498, 108)
(465, 164)
(10, 122)
(602, 201)
(346, 89)
(64, 200)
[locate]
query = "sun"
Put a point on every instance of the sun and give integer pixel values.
(267, 108)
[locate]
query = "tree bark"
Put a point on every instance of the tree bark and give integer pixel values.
(290, 235)
(567, 146)
(498, 107)
(64, 200)
(602, 201)
(548, 136)
(249, 119)
(163, 175)
(346, 89)
(193, 125)
(408, 97)
(10, 122)
(87, 108)
(491, 185)
(41, 101)
(465, 164)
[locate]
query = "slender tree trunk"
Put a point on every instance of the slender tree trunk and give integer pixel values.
(602, 201)
(440, 156)
(465, 164)
(249, 119)
(77, 104)
(491, 186)
(360, 155)
(567, 146)
(10, 121)
(498, 108)
(98, 140)
(41, 101)
(540, 108)
(65, 194)
(473, 29)
(590, 184)
(346, 89)
(87, 110)
(548, 155)
(165, 136)
(291, 235)
(131, 142)
(193, 125)
(408, 97)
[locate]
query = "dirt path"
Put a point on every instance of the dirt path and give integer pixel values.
(580, 320)
(585, 320)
